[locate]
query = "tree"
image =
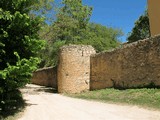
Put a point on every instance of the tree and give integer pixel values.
(71, 21)
(19, 46)
(101, 37)
(72, 26)
(141, 30)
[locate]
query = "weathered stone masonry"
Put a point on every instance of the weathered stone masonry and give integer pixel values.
(74, 68)
(45, 77)
(134, 65)
(80, 68)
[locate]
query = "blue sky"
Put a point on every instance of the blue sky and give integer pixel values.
(117, 13)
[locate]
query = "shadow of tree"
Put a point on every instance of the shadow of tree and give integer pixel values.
(12, 106)
(47, 89)
(17, 104)
(35, 89)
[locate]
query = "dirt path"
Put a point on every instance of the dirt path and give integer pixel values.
(48, 106)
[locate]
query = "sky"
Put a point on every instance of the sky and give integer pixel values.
(120, 14)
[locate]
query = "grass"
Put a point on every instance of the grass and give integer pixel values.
(149, 98)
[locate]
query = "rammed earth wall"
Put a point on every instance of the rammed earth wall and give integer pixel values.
(131, 66)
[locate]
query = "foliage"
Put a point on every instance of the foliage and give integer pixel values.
(72, 20)
(19, 45)
(15, 76)
(72, 26)
(101, 37)
(52, 50)
(18, 75)
(141, 30)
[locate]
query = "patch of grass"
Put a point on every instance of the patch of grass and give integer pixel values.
(142, 97)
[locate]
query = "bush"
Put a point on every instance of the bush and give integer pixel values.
(14, 77)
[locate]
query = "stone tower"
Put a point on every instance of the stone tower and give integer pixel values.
(74, 68)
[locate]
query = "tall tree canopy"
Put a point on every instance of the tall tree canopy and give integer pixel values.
(141, 30)
(72, 26)
(72, 20)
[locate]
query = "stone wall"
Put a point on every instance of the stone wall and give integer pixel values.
(131, 66)
(154, 16)
(74, 68)
(45, 77)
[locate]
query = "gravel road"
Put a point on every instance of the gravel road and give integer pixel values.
(44, 105)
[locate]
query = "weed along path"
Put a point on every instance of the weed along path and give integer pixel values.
(44, 105)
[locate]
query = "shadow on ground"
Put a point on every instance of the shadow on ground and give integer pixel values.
(12, 106)
(47, 89)
(34, 89)
(17, 104)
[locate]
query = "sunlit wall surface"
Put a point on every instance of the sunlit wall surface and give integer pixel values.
(154, 16)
